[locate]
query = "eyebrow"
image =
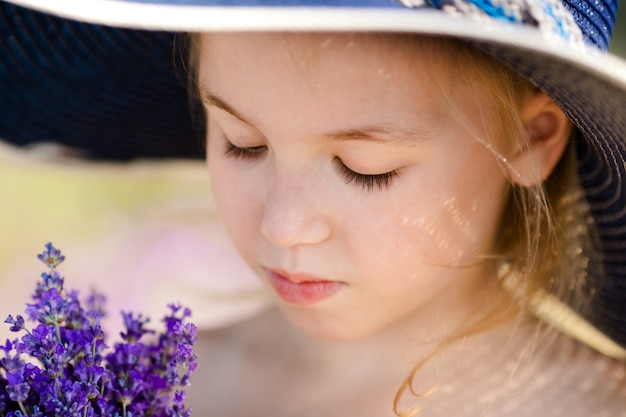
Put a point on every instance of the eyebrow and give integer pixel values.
(380, 134)
(211, 99)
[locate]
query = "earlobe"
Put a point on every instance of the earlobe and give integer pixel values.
(548, 131)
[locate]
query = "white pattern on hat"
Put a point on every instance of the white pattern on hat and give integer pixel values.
(551, 17)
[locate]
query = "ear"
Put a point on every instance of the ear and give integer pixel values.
(548, 131)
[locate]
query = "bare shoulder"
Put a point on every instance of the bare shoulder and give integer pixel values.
(585, 382)
(263, 367)
(564, 379)
(549, 378)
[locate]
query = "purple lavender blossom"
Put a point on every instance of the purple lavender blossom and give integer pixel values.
(17, 323)
(51, 256)
(60, 368)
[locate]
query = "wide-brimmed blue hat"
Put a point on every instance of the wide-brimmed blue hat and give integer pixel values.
(79, 73)
(104, 77)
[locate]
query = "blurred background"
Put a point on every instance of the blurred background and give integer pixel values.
(144, 233)
(619, 36)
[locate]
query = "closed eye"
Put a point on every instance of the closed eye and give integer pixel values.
(365, 181)
(236, 152)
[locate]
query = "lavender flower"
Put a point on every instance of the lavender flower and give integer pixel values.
(59, 368)
(51, 256)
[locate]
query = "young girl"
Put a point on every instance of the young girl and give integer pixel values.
(434, 205)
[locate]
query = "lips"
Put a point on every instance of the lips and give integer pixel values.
(301, 289)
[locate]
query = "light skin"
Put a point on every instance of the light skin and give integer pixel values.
(287, 204)
(336, 156)
(302, 126)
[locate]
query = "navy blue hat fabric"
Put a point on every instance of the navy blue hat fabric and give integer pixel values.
(92, 88)
(607, 202)
(89, 87)
(595, 18)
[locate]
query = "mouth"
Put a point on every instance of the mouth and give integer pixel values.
(301, 289)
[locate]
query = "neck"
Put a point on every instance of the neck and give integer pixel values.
(456, 312)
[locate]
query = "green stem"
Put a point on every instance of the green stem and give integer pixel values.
(58, 331)
(23, 409)
(58, 387)
(93, 354)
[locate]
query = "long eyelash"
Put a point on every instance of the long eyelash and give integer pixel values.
(236, 152)
(367, 182)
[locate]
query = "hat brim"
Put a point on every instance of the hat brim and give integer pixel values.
(370, 16)
(514, 44)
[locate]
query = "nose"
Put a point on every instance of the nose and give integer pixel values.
(292, 217)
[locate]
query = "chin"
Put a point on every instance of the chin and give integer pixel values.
(326, 327)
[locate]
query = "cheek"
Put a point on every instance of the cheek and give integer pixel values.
(451, 221)
(466, 221)
(236, 200)
(446, 229)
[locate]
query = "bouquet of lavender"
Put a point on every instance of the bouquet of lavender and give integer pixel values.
(60, 368)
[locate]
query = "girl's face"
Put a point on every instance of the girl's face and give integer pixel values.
(343, 176)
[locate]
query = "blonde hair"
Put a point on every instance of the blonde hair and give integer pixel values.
(544, 228)
(546, 241)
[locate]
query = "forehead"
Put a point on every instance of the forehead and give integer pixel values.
(375, 53)
(349, 71)
(309, 48)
